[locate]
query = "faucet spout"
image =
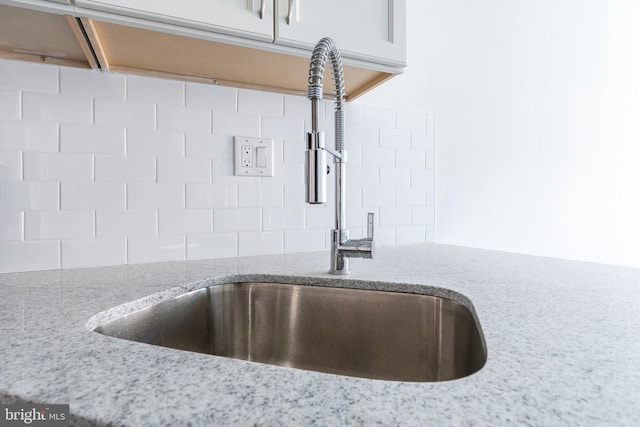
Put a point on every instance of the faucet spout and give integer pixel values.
(316, 169)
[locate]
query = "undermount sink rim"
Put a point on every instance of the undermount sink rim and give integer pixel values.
(122, 310)
(128, 307)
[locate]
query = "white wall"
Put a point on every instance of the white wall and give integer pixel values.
(538, 123)
(104, 169)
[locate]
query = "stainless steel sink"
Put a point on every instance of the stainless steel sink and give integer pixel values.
(360, 333)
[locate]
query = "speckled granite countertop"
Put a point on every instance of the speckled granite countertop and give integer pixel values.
(563, 339)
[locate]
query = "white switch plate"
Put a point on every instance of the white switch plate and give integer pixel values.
(252, 156)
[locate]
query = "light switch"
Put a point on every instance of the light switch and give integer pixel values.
(252, 156)
(261, 157)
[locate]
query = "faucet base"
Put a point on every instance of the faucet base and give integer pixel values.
(339, 263)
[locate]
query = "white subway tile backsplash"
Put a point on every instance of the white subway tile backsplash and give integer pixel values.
(319, 217)
(298, 107)
(27, 256)
(272, 196)
(252, 101)
(265, 196)
(385, 236)
(379, 156)
(217, 98)
(395, 216)
(142, 195)
(28, 76)
(125, 223)
(9, 104)
(166, 143)
(10, 165)
(209, 146)
(430, 233)
(423, 215)
(419, 140)
(190, 170)
(406, 158)
(58, 166)
(260, 243)
(410, 197)
(423, 178)
(218, 245)
(155, 249)
(92, 195)
(185, 221)
(378, 117)
(355, 155)
(362, 135)
(185, 119)
(204, 196)
(20, 195)
(11, 225)
(93, 83)
(294, 195)
(125, 114)
(56, 108)
(240, 219)
(92, 139)
(378, 196)
(304, 240)
(410, 234)
(249, 196)
(104, 168)
(397, 138)
(431, 123)
(353, 114)
(236, 124)
(63, 224)
(284, 174)
(155, 91)
(354, 196)
(22, 135)
(431, 197)
(291, 152)
(411, 120)
(282, 218)
(363, 175)
(125, 168)
(357, 216)
(291, 130)
(80, 253)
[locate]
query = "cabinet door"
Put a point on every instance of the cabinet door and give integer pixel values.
(245, 18)
(371, 30)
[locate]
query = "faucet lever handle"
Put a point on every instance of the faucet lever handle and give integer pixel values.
(370, 225)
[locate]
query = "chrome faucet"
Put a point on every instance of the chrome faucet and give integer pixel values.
(316, 169)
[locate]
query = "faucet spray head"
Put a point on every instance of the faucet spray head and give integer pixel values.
(316, 168)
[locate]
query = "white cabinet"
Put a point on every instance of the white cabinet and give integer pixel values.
(371, 30)
(368, 30)
(56, 6)
(245, 18)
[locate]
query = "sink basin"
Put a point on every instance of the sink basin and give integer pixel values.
(361, 333)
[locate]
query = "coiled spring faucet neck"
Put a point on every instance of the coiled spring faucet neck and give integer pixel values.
(316, 170)
(326, 49)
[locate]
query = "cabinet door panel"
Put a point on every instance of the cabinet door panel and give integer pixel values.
(234, 17)
(363, 29)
